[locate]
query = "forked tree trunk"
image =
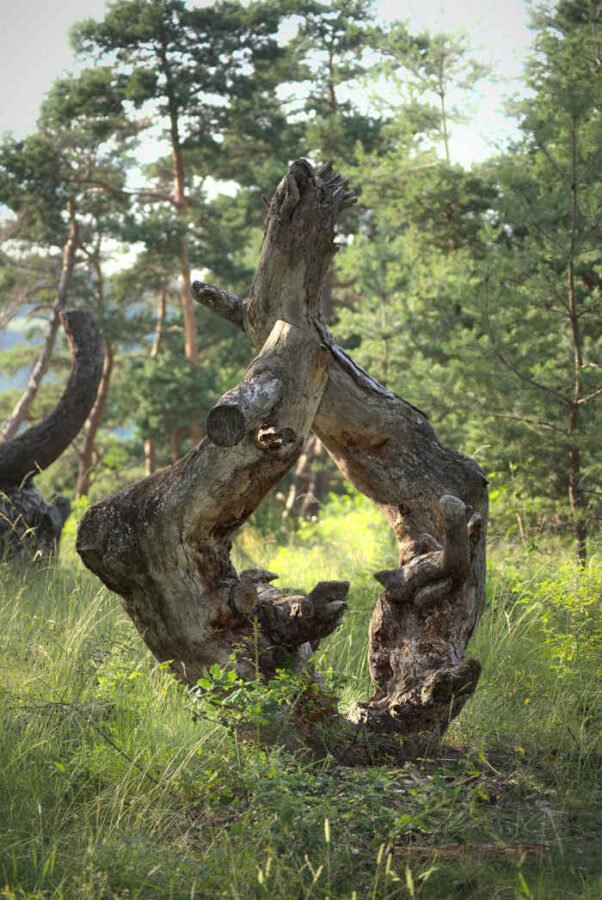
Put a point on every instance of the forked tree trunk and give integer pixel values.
(163, 544)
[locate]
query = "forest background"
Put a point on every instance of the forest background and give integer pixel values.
(473, 291)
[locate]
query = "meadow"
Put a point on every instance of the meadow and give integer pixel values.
(116, 783)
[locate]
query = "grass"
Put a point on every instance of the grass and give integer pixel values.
(111, 787)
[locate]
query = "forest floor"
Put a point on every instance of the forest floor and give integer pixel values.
(115, 783)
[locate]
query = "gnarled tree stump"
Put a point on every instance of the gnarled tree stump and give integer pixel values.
(29, 526)
(163, 544)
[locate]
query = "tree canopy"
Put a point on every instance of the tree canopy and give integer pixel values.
(475, 291)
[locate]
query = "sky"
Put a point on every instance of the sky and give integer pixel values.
(34, 50)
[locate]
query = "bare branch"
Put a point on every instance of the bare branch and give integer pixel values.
(224, 303)
(589, 397)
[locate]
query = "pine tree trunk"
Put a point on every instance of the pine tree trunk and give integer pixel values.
(176, 443)
(149, 445)
(21, 410)
(308, 485)
(163, 544)
(191, 340)
(93, 423)
(575, 475)
(150, 461)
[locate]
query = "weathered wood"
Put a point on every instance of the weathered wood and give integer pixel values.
(244, 408)
(387, 448)
(30, 527)
(224, 303)
(419, 620)
(164, 543)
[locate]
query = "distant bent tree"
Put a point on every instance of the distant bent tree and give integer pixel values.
(30, 526)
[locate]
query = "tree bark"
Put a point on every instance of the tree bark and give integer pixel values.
(40, 445)
(191, 340)
(150, 460)
(163, 544)
(21, 410)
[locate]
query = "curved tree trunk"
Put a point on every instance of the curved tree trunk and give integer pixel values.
(163, 543)
(29, 525)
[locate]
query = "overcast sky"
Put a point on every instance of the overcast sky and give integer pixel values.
(34, 50)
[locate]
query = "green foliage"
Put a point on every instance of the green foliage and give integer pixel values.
(334, 41)
(431, 65)
(192, 65)
(225, 698)
(87, 106)
(455, 288)
(569, 609)
(15, 358)
(33, 179)
(541, 290)
(160, 386)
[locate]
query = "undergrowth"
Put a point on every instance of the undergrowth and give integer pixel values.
(115, 782)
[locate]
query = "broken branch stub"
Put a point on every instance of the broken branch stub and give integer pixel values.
(243, 409)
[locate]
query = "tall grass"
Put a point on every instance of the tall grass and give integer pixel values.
(112, 785)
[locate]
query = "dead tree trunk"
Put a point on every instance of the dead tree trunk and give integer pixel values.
(29, 525)
(163, 544)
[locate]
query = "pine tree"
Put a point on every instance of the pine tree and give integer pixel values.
(184, 68)
(50, 180)
(543, 280)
